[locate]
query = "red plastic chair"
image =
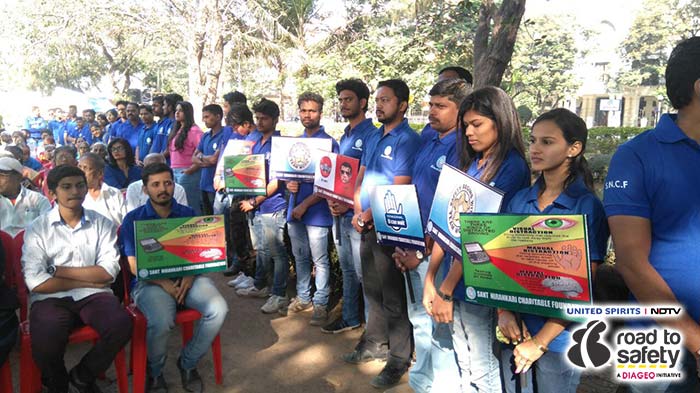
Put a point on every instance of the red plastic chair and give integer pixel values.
(30, 376)
(6, 242)
(186, 319)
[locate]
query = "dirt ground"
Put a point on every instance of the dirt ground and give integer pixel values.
(271, 353)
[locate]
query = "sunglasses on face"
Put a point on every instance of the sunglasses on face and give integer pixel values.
(117, 148)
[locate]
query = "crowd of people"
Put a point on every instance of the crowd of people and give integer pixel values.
(71, 182)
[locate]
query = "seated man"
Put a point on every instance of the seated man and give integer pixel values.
(69, 260)
(18, 205)
(135, 196)
(101, 198)
(159, 299)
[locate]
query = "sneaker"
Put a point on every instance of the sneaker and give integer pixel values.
(389, 376)
(245, 282)
(156, 384)
(232, 271)
(274, 304)
(359, 356)
(339, 326)
(236, 279)
(254, 292)
(298, 305)
(320, 315)
(191, 381)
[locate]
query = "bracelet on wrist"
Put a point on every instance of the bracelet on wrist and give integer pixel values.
(447, 298)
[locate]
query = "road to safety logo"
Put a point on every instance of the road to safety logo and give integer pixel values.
(637, 355)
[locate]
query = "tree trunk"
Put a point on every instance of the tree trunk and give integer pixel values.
(493, 45)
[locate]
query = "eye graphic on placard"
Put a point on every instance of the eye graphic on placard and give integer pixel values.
(208, 220)
(299, 156)
(554, 223)
(462, 201)
(326, 166)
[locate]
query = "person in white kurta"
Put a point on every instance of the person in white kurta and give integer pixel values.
(102, 198)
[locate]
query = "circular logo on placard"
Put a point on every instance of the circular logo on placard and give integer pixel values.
(387, 151)
(358, 143)
(326, 166)
(143, 273)
(462, 201)
(471, 293)
(299, 156)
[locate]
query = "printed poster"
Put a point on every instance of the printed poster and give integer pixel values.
(335, 177)
(295, 159)
(457, 193)
(245, 174)
(397, 216)
(175, 247)
(233, 147)
(536, 264)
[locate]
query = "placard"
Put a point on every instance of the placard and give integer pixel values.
(233, 147)
(335, 177)
(397, 216)
(536, 264)
(295, 159)
(245, 174)
(175, 247)
(457, 193)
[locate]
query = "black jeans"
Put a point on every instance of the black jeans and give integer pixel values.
(386, 293)
(51, 322)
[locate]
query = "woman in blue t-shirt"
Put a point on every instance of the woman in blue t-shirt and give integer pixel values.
(491, 150)
(565, 186)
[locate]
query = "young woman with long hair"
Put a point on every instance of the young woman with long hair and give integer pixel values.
(182, 143)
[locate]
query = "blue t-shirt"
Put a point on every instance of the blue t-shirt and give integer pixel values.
(354, 141)
(130, 132)
(317, 214)
(387, 156)
(33, 163)
(427, 133)
(145, 140)
(576, 199)
(511, 177)
(160, 139)
(35, 125)
(114, 176)
(86, 134)
(115, 129)
(433, 154)
(253, 136)
(656, 176)
(275, 202)
(57, 129)
(208, 145)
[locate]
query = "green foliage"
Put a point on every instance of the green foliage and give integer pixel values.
(541, 71)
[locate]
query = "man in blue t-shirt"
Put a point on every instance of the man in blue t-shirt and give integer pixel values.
(434, 370)
(267, 220)
(165, 123)
(652, 204)
(309, 222)
(158, 299)
(146, 133)
(207, 154)
(129, 130)
(353, 95)
(35, 124)
(389, 159)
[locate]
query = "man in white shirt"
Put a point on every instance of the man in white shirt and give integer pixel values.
(135, 196)
(101, 197)
(18, 205)
(69, 260)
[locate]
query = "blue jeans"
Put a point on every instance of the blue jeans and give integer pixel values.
(436, 368)
(690, 382)
(350, 264)
(267, 231)
(160, 308)
(474, 338)
(310, 243)
(191, 185)
(552, 373)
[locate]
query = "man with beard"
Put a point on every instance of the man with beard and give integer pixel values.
(435, 368)
(130, 129)
(389, 160)
(158, 299)
(308, 224)
(353, 95)
(167, 118)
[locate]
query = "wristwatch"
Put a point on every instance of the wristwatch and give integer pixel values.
(360, 221)
(447, 298)
(419, 254)
(51, 270)
(253, 202)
